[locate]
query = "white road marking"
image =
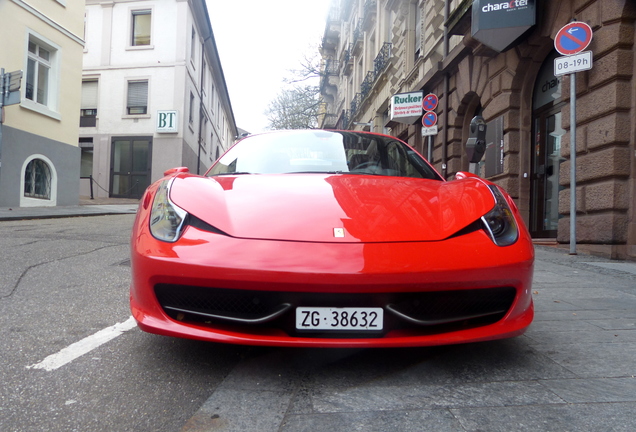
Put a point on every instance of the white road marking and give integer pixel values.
(84, 346)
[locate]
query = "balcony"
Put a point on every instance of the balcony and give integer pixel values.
(355, 105)
(380, 65)
(367, 84)
(358, 34)
(332, 30)
(346, 8)
(382, 60)
(329, 78)
(369, 12)
(346, 60)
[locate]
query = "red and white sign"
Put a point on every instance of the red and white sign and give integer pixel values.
(573, 38)
(430, 102)
(429, 119)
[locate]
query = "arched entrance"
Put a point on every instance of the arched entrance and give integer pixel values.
(547, 135)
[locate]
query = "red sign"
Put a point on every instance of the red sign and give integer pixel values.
(429, 103)
(573, 38)
(429, 119)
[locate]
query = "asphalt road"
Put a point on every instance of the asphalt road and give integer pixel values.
(64, 286)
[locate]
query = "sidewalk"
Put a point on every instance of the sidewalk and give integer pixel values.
(86, 207)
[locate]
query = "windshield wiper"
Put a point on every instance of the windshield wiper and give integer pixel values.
(232, 173)
(314, 172)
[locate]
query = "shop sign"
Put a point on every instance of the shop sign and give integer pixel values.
(407, 107)
(498, 24)
(167, 121)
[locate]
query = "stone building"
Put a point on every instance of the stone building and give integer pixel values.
(376, 49)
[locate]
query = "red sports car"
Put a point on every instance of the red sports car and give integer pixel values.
(329, 239)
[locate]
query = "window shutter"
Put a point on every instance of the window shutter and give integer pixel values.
(137, 94)
(89, 95)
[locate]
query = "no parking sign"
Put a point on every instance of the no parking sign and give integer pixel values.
(573, 38)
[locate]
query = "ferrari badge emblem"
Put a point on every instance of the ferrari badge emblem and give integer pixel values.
(338, 232)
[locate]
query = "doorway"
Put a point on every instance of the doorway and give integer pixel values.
(130, 166)
(544, 185)
(547, 135)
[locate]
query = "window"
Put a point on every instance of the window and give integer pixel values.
(418, 30)
(193, 45)
(88, 108)
(86, 167)
(38, 72)
(37, 180)
(204, 77)
(137, 102)
(191, 114)
(141, 28)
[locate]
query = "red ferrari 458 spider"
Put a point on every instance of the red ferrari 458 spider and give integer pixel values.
(329, 239)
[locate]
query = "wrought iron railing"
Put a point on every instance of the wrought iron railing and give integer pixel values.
(380, 64)
(382, 59)
(346, 54)
(355, 105)
(367, 84)
(357, 32)
(330, 69)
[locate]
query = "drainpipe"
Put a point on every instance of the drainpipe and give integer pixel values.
(446, 90)
(201, 106)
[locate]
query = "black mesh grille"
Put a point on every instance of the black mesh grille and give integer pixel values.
(442, 305)
(189, 303)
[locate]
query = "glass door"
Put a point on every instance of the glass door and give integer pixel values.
(546, 160)
(130, 166)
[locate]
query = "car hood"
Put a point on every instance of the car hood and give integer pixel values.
(319, 207)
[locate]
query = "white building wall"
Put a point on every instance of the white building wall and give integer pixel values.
(172, 73)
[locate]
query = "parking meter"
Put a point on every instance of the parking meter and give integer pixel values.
(476, 144)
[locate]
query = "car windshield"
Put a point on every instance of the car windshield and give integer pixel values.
(319, 151)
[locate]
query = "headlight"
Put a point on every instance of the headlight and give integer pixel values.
(499, 223)
(166, 219)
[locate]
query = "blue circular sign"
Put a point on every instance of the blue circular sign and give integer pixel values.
(429, 103)
(429, 119)
(573, 38)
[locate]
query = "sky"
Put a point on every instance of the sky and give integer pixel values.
(259, 42)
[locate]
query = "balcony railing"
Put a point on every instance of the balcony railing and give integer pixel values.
(382, 59)
(380, 64)
(357, 32)
(330, 69)
(355, 105)
(367, 84)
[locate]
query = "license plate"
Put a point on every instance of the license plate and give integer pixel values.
(326, 318)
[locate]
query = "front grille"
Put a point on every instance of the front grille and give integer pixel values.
(425, 312)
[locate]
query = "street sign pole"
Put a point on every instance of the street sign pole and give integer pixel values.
(1, 110)
(573, 164)
(570, 41)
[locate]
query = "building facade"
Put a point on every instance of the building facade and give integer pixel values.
(153, 94)
(376, 49)
(39, 154)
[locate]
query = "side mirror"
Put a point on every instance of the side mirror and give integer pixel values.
(460, 175)
(176, 170)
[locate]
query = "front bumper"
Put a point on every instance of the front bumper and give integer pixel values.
(329, 274)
